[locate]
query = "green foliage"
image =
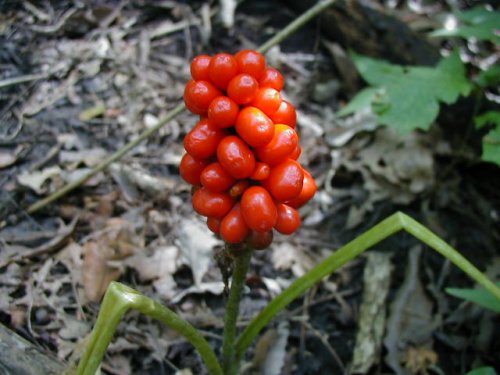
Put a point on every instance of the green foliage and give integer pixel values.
(482, 371)
(479, 296)
(406, 98)
(491, 141)
(489, 77)
(479, 23)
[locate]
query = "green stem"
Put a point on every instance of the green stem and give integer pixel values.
(295, 25)
(232, 310)
(379, 232)
(120, 298)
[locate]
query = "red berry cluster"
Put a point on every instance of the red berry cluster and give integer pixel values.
(241, 155)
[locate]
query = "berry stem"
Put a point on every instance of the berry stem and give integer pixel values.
(241, 263)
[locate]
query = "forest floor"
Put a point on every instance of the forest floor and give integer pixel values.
(93, 77)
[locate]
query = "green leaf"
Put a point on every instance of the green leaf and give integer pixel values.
(479, 296)
(490, 117)
(489, 77)
(479, 23)
(491, 141)
(408, 97)
(360, 101)
(482, 371)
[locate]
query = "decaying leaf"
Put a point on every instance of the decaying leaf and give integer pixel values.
(410, 322)
(7, 158)
(371, 325)
(270, 351)
(105, 253)
(196, 244)
(159, 267)
(418, 360)
(287, 256)
(215, 287)
(393, 167)
(35, 180)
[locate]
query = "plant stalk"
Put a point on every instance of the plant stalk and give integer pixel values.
(392, 224)
(241, 263)
(117, 301)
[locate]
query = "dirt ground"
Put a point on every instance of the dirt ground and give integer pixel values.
(78, 80)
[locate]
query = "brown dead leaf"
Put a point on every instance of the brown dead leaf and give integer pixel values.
(418, 360)
(103, 256)
(97, 274)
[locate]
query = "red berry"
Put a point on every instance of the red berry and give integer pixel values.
(199, 68)
(238, 188)
(272, 78)
(223, 67)
(261, 171)
(211, 204)
(236, 157)
(215, 178)
(251, 62)
(223, 111)
(280, 148)
(309, 188)
(288, 219)
(285, 114)
(296, 153)
(260, 240)
(202, 141)
(267, 99)
(190, 169)
(258, 209)
(198, 95)
(233, 228)
(213, 224)
(242, 88)
(285, 180)
(254, 127)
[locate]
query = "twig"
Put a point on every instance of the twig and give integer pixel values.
(101, 166)
(295, 25)
(283, 34)
(21, 79)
